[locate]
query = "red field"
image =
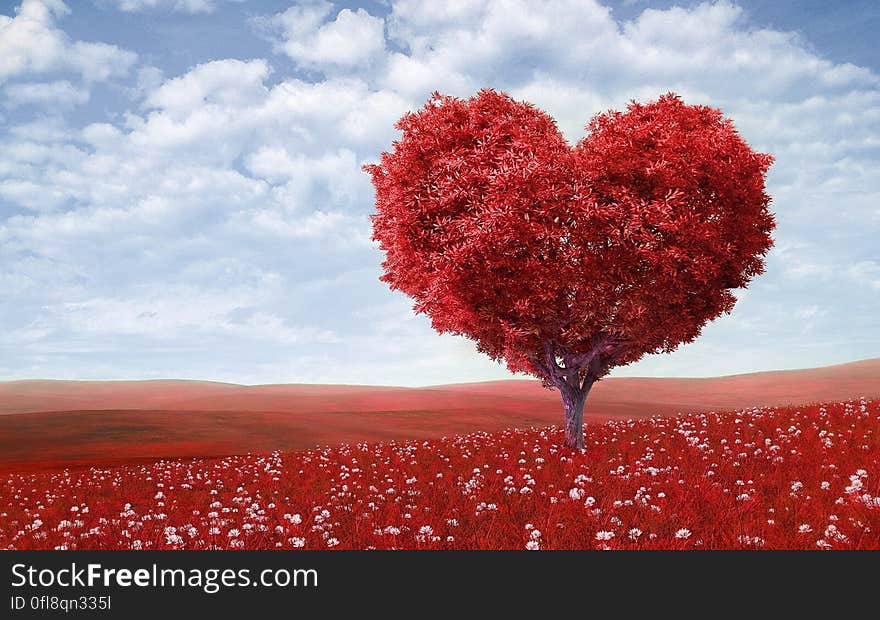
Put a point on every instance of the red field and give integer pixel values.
(52, 424)
(797, 477)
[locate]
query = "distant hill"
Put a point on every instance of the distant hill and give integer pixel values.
(54, 423)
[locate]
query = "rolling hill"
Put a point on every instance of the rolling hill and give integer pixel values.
(47, 424)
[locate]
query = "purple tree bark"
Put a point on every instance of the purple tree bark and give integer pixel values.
(574, 375)
(573, 400)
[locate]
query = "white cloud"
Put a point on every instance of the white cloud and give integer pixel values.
(351, 39)
(149, 78)
(29, 41)
(222, 83)
(97, 62)
(316, 225)
(31, 44)
(298, 177)
(191, 7)
(43, 129)
(578, 45)
(61, 93)
(186, 310)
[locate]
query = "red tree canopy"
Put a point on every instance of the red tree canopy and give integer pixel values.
(589, 257)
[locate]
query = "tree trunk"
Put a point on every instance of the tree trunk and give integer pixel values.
(573, 400)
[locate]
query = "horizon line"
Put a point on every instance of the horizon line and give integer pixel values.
(428, 386)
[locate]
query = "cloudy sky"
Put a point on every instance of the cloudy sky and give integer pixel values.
(181, 193)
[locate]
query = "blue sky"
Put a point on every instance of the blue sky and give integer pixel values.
(181, 193)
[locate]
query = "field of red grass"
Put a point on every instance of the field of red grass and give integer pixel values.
(51, 424)
(761, 478)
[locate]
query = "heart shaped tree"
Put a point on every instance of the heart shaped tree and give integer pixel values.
(567, 262)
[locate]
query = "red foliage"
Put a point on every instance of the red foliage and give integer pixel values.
(799, 477)
(568, 262)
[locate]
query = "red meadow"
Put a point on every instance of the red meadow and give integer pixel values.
(766, 478)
